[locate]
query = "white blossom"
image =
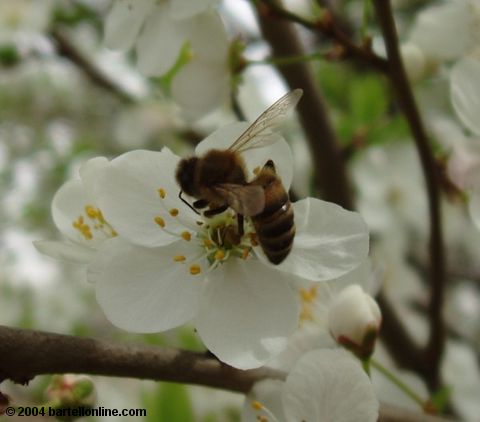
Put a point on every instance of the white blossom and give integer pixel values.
(168, 267)
(159, 31)
(78, 218)
(324, 385)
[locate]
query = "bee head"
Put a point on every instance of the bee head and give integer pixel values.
(185, 175)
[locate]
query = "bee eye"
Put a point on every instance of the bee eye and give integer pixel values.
(185, 175)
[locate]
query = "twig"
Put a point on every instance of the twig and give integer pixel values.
(329, 28)
(403, 91)
(25, 354)
(72, 53)
(329, 167)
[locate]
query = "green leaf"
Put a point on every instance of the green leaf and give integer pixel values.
(169, 402)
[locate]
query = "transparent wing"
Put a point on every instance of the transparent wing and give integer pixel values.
(260, 133)
(246, 200)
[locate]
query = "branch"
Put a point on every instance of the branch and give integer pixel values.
(328, 27)
(329, 166)
(26, 354)
(71, 52)
(406, 100)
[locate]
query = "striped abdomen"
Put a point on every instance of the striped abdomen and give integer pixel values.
(275, 226)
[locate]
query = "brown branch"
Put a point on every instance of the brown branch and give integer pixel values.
(25, 354)
(71, 52)
(329, 166)
(328, 27)
(403, 91)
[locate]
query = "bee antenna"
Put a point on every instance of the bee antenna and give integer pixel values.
(187, 203)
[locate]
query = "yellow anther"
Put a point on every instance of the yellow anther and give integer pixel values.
(207, 243)
(100, 216)
(245, 253)
(186, 235)
(160, 221)
(219, 255)
(173, 212)
(308, 295)
(114, 233)
(261, 418)
(91, 212)
(253, 239)
(162, 193)
(257, 405)
(179, 258)
(195, 269)
(256, 170)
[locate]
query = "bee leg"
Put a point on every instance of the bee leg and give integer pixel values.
(240, 225)
(201, 203)
(215, 211)
(270, 165)
(187, 203)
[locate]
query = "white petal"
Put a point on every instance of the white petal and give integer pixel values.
(124, 22)
(474, 206)
(329, 385)
(330, 241)
(68, 204)
(200, 87)
(143, 289)
(269, 393)
(465, 92)
(65, 251)
(208, 38)
(446, 31)
(160, 42)
(247, 313)
(182, 9)
(89, 174)
(129, 198)
(280, 152)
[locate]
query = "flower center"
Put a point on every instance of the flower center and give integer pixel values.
(93, 224)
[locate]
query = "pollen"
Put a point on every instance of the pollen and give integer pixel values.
(257, 405)
(160, 221)
(186, 236)
(195, 269)
(219, 255)
(91, 212)
(83, 228)
(173, 212)
(162, 193)
(179, 258)
(207, 243)
(308, 295)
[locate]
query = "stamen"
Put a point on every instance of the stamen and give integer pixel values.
(195, 269)
(256, 170)
(257, 405)
(207, 243)
(245, 253)
(173, 212)
(91, 212)
(253, 239)
(179, 258)
(160, 221)
(162, 193)
(219, 255)
(186, 236)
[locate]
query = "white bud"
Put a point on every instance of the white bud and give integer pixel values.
(414, 60)
(354, 320)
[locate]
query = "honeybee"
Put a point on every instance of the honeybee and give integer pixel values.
(218, 180)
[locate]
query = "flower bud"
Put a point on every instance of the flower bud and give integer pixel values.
(414, 60)
(71, 391)
(354, 320)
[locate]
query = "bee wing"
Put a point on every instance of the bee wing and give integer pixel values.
(260, 132)
(246, 200)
